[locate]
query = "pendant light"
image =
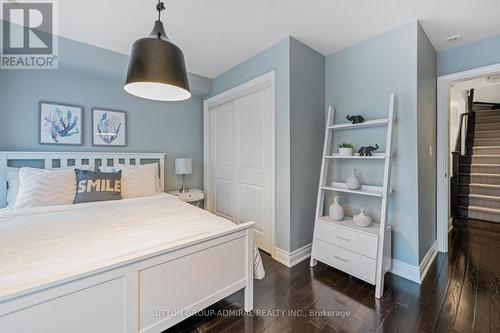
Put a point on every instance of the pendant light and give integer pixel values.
(157, 69)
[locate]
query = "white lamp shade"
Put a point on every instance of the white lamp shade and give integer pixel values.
(183, 166)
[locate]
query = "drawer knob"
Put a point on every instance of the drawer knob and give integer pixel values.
(344, 239)
(340, 258)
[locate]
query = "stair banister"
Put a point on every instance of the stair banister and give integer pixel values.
(458, 152)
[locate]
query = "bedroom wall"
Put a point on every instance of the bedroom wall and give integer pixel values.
(307, 121)
(359, 80)
(473, 55)
(426, 142)
(274, 58)
(93, 77)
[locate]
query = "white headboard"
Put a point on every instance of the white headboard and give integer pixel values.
(55, 160)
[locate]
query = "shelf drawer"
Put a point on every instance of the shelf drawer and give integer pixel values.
(191, 196)
(346, 238)
(355, 264)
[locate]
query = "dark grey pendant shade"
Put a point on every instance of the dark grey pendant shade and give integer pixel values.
(157, 69)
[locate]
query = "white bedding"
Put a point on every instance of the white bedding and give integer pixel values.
(46, 244)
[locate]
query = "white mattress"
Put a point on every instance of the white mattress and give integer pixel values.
(48, 244)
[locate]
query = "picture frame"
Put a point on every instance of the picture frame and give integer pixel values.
(60, 124)
(109, 127)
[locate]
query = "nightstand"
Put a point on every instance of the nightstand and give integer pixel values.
(194, 196)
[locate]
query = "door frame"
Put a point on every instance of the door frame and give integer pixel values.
(444, 225)
(262, 82)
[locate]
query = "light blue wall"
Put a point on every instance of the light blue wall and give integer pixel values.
(359, 80)
(473, 55)
(307, 121)
(93, 77)
(274, 58)
(426, 138)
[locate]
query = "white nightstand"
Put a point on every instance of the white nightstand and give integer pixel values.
(194, 196)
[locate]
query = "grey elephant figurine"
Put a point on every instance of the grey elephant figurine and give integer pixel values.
(367, 151)
(356, 119)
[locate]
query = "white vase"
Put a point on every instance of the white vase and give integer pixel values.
(353, 182)
(362, 220)
(345, 151)
(336, 210)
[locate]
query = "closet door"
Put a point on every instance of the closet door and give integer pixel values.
(222, 160)
(253, 164)
(241, 162)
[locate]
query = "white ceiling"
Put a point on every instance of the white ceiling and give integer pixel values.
(216, 35)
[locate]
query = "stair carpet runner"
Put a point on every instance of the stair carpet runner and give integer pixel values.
(479, 181)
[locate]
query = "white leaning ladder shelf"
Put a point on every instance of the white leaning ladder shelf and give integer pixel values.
(362, 252)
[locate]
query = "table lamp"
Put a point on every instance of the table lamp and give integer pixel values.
(183, 166)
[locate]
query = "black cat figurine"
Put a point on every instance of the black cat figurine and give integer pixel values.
(356, 119)
(367, 151)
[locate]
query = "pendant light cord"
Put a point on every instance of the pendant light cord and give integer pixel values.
(160, 6)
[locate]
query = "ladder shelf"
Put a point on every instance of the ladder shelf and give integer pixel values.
(373, 191)
(375, 156)
(372, 230)
(362, 252)
(368, 123)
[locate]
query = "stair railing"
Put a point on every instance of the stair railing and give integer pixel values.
(463, 132)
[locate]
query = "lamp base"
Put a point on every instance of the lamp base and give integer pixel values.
(184, 188)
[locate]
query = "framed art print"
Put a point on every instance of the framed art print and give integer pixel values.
(61, 124)
(109, 127)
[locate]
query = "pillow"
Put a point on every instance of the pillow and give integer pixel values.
(97, 186)
(137, 180)
(12, 185)
(45, 187)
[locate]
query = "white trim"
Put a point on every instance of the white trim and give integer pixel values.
(443, 101)
(243, 89)
(405, 270)
(78, 157)
(290, 259)
(415, 273)
(427, 261)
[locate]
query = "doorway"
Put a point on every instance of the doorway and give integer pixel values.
(453, 122)
(239, 142)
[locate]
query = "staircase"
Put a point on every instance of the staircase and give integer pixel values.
(479, 168)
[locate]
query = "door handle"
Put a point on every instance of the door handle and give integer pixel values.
(344, 239)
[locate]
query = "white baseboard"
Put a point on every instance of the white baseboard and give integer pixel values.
(405, 270)
(427, 260)
(290, 259)
(415, 273)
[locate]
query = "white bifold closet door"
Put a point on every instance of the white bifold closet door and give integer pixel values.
(241, 162)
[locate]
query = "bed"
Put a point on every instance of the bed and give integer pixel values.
(133, 265)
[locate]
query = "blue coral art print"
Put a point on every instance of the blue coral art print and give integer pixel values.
(109, 127)
(60, 124)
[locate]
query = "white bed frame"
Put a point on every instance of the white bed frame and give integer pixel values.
(148, 292)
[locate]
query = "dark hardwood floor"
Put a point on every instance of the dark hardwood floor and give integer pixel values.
(460, 294)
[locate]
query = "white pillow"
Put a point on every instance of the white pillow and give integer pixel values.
(137, 180)
(45, 187)
(12, 185)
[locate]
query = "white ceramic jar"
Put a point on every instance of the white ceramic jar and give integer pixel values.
(336, 210)
(362, 220)
(353, 182)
